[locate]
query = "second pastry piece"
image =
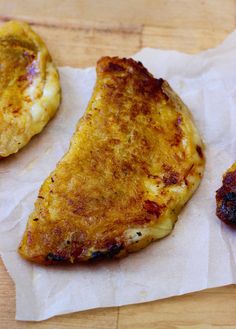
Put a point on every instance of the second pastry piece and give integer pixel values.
(134, 161)
(29, 86)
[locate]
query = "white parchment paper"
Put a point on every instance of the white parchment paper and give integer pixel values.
(201, 251)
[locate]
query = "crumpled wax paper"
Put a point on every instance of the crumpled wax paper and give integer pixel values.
(201, 251)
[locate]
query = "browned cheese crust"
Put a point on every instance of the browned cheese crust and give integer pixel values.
(226, 198)
(134, 161)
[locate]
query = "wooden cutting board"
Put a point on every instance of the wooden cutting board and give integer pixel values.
(77, 34)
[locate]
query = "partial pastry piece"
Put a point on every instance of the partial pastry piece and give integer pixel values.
(29, 86)
(134, 160)
(226, 197)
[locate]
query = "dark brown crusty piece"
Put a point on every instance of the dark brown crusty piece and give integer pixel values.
(134, 160)
(226, 198)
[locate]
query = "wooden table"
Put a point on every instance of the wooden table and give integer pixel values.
(77, 34)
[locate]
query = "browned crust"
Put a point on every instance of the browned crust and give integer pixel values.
(128, 69)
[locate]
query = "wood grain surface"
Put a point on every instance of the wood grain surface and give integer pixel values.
(77, 34)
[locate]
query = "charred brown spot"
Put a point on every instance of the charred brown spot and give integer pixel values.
(138, 109)
(57, 230)
(35, 219)
(111, 252)
(125, 63)
(150, 87)
(77, 206)
(166, 167)
(186, 181)
(158, 83)
(40, 197)
(113, 67)
(22, 78)
(152, 207)
(55, 257)
(16, 110)
(126, 167)
(178, 132)
(145, 144)
(76, 250)
(142, 221)
(226, 199)
(199, 151)
(171, 178)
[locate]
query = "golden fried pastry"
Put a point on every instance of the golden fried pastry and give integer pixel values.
(29, 86)
(134, 161)
(226, 197)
